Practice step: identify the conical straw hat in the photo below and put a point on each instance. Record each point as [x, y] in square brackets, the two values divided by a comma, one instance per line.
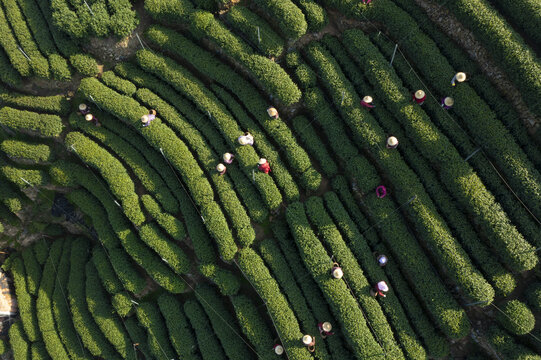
[460, 76]
[144, 119]
[392, 141]
[448, 101]
[337, 273]
[306, 339]
[367, 99]
[382, 285]
[326, 326]
[243, 140]
[262, 161]
[88, 117]
[82, 106]
[220, 167]
[272, 111]
[278, 349]
[227, 156]
[419, 94]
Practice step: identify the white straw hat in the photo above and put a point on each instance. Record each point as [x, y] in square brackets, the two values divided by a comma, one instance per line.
[243, 140]
[227, 156]
[220, 167]
[392, 141]
[262, 161]
[306, 339]
[88, 117]
[337, 273]
[460, 76]
[382, 285]
[272, 111]
[326, 326]
[419, 94]
[448, 101]
[278, 350]
[144, 119]
[367, 99]
[82, 106]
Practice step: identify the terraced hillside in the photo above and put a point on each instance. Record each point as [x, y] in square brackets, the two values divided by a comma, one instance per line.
[214, 179]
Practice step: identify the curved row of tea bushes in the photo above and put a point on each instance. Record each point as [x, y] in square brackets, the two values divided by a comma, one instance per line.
[37, 24]
[276, 303]
[256, 105]
[507, 347]
[458, 222]
[42, 125]
[187, 84]
[51, 337]
[273, 257]
[56, 104]
[163, 138]
[83, 63]
[310, 290]
[22, 151]
[138, 336]
[396, 304]
[382, 317]
[223, 323]
[342, 303]
[257, 30]
[90, 333]
[506, 46]
[61, 310]
[24, 178]
[244, 188]
[227, 282]
[25, 302]
[240, 221]
[118, 84]
[112, 171]
[446, 311]
[150, 318]
[486, 130]
[103, 313]
[8, 195]
[315, 14]
[466, 187]
[172, 226]
[516, 317]
[288, 16]
[32, 269]
[11, 48]
[199, 238]
[517, 213]
[253, 326]
[428, 223]
[525, 14]
[69, 174]
[18, 342]
[38, 62]
[180, 333]
[208, 343]
[149, 177]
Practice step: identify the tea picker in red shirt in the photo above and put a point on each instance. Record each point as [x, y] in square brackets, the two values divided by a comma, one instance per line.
[419, 97]
[264, 166]
[379, 289]
[367, 102]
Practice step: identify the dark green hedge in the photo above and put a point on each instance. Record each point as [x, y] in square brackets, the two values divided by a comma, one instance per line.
[209, 346]
[180, 333]
[18, 342]
[11, 47]
[533, 295]
[227, 282]
[25, 302]
[172, 225]
[32, 270]
[286, 14]
[36, 124]
[150, 318]
[506, 346]
[248, 22]
[112, 171]
[56, 104]
[118, 84]
[516, 317]
[315, 14]
[27, 152]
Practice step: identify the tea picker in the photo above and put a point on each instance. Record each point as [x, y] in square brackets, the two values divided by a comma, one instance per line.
[392, 142]
[459, 77]
[90, 117]
[379, 289]
[325, 329]
[367, 102]
[419, 97]
[246, 139]
[264, 166]
[221, 169]
[84, 109]
[447, 102]
[310, 342]
[273, 113]
[228, 158]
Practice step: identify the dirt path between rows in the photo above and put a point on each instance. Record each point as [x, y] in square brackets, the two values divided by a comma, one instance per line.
[449, 25]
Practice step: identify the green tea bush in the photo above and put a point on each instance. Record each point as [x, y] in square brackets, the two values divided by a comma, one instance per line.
[112, 171]
[533, 295]
[172, 226]
[278, 308]
[25, 302]
[18, 342]
[288, 16]
[227, 282]
[124, 87]
[38, 351]
[42, 125]
[315, 14]
[102, 312]
[507, 347]
[247, 22]
[150, 318]
[11, 47]
[517, 318]
[32, 270]
[180, 333]
[22, 150]
[208, 343]
[44, 303]
[55, 104]
[137, 334]
[8, 74]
